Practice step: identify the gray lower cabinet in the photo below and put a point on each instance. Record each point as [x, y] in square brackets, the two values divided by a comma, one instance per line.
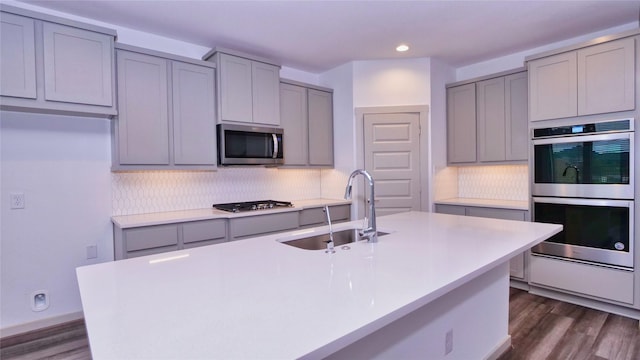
[64, 67]
[317, 217]
[248, 89]
[307, 119]
[155, 239]
[251, 226]
[487, 120]
[592, 80]
[166, 114]
[517, 264]
[148, 240]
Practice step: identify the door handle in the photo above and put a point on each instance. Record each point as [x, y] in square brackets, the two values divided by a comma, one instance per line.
[275, 145]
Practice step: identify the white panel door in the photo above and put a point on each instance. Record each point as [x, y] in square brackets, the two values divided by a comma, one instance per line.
[392, 157]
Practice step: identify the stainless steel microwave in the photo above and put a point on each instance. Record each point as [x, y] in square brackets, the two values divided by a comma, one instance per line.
[249, 145]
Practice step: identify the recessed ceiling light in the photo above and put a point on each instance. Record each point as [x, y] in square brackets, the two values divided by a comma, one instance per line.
[402, 48]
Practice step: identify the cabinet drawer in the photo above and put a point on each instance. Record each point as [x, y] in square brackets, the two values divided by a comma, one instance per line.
[496, 213]
[151, 237]
[316, 216]
[450, 209]
[263, 224]
[204, 230]
[580, 278]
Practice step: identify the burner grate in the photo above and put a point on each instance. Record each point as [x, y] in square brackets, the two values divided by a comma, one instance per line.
[252, 205]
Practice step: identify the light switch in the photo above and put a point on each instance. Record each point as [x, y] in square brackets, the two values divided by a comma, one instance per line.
[92, 252]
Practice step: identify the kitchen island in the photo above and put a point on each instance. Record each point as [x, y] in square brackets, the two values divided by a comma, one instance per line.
[436, 284]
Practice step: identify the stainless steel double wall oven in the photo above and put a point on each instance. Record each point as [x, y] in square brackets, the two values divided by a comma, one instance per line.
[583, 178]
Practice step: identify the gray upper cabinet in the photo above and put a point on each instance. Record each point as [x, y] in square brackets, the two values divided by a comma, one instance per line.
[553, 91]
[77, 65]
[487, 120]
[517, 116]
[56, 65]
[194, 125]
[235, 89]
[166, 114]
[592, 80]
[266, 93]
[606, 77]
[461, 124]
[491, 119]
[502, 118]
[307, 119]
[320, 127]
[18, 61]
[143, 119]
[248, 88]
[295, 122]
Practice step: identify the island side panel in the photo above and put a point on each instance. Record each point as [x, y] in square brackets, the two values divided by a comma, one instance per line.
[476, 314]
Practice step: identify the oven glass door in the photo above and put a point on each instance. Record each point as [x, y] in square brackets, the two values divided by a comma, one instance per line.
[585, 166]
[594, 230]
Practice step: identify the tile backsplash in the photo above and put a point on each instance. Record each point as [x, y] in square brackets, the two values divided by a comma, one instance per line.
[156, 191]
[501, 182]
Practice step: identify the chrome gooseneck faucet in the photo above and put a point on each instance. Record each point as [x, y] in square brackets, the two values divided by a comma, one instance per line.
[370, 232]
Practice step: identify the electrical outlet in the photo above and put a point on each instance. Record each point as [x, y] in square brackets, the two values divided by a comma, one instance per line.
[17, 200]
[448, 342]
[39, 300]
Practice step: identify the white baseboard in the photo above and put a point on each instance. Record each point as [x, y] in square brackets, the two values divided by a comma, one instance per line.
[40, 324]
[500, 349]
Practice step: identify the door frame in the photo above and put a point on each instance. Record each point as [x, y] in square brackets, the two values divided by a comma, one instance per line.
[425, 157]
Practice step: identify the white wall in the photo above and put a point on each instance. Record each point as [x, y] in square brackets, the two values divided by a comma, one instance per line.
[368, 84]
[391, 82]
[62, 165]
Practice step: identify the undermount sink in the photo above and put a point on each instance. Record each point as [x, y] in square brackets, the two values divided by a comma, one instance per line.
[319, 242]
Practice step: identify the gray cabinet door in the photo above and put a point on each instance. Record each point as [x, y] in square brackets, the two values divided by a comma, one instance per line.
[243, 227]
[77, 65]
[553, 89]
[143, 119]
[491, 119]
[320, 127]
[294, 121]
[18, 60]
[236, 94]
[194, 122]
[606, 77]
[461, 123]
[148, 240]
[265, 93]
[517, 116]
[450, 209]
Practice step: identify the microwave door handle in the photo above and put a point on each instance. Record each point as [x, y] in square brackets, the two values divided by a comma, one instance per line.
[275, 146]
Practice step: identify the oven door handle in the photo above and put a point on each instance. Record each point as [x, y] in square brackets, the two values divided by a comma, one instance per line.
[584, 138]
[583, 201]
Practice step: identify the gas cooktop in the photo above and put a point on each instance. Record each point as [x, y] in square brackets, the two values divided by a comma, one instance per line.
[252, 205]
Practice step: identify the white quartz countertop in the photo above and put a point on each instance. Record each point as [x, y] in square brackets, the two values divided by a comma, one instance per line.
[257, 298]
[491, 203]
[159, 218]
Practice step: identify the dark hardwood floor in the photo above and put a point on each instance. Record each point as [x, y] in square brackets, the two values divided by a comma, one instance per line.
[543, 328]
[540, 328]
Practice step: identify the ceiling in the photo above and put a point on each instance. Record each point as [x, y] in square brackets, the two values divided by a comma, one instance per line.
[315, 36]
